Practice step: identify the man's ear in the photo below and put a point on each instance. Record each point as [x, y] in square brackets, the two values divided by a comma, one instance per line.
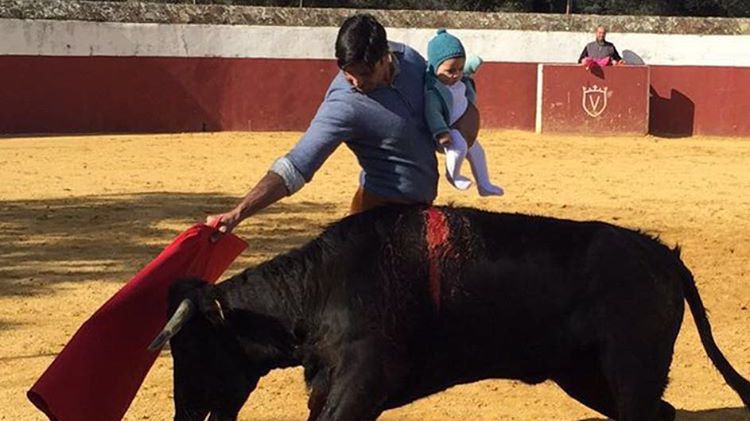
[387, 58]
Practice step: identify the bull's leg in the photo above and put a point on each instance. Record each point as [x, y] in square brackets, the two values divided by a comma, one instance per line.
[667, 411]
[318, 396]
[185, 413]
[638, 375]
[227, 412]
[189, 395]
[359, 383]
[215, 416]
[230, 395]
[585, 382]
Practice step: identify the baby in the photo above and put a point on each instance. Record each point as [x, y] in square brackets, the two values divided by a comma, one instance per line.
[449, 90]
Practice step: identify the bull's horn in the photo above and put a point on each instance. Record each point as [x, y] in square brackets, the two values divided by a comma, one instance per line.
[182, 315]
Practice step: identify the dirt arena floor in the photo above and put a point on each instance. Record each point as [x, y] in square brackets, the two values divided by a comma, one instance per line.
[80, 215]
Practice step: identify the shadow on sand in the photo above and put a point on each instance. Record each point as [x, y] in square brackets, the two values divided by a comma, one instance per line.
[719, 414]
[78, 239]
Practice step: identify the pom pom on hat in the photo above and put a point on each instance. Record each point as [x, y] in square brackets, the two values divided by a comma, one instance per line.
[443, 46]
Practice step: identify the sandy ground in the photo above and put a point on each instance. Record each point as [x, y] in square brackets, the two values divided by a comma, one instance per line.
[80, 215]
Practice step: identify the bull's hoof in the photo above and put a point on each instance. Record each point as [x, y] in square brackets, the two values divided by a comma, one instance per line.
[667, 411]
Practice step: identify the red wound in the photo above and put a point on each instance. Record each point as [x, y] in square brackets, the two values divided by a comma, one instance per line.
[437, 236]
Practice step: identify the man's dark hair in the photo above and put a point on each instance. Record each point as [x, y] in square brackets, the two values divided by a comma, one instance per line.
[361, 39]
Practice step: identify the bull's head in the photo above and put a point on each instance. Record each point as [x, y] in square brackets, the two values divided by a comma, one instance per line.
[212, 371]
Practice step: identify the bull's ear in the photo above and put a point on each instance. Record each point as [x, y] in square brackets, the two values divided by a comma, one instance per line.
[184, 288]
[210, 306]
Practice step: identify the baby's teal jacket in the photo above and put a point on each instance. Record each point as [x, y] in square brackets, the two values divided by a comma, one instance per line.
[437, 96]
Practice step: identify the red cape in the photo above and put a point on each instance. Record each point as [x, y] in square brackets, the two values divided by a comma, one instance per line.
[97, 374]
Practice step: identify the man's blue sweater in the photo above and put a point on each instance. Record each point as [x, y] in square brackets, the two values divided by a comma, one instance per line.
[384, 128]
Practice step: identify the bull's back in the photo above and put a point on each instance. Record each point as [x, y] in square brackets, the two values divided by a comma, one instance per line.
[518, 295]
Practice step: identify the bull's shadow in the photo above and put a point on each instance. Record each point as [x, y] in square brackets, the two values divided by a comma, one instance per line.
[110, 237]
[719, 414]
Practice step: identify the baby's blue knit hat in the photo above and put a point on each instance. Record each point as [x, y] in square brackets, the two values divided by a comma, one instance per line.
[442, 47]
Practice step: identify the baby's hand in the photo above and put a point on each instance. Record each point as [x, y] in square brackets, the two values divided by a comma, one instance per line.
[444, 139]
[472, 65]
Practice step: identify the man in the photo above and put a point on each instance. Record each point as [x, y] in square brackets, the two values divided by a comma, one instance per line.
[600, 52]
[376, 106]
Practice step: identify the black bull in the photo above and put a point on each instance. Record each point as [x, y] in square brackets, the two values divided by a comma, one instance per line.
[395, 304]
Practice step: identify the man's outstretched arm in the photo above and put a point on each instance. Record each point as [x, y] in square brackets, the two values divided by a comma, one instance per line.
[288, 174]
[269, 190]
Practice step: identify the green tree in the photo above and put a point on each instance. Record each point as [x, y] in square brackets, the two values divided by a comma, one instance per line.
[727, 8]
[724, 8]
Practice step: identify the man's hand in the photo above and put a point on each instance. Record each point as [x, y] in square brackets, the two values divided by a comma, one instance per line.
[269, 189]
[224, 222]
[444, 139]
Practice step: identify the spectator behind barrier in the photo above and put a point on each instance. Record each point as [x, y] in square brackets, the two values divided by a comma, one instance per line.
[600, 52]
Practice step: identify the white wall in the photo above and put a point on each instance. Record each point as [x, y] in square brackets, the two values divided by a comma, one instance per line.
[76, 38]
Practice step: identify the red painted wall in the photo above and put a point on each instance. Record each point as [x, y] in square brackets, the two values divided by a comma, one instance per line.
[610, 100]
[506, 95]
[700, 100]
[140, 94]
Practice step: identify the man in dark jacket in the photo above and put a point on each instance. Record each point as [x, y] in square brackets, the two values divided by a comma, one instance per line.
[600, 52]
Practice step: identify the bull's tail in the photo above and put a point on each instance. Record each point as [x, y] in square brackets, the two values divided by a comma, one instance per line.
[693, 298]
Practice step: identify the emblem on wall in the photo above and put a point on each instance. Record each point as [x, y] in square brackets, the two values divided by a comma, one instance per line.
[594, 100]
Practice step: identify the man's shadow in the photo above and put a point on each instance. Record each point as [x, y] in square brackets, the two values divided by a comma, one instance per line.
[630, 57]
[671, 116]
